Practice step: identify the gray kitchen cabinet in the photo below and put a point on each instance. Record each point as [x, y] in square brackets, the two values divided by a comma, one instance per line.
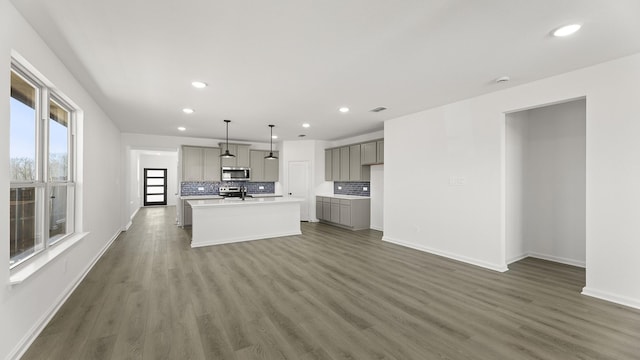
[380, 152]
[200, 163]
[344, 163]
[263, 169]
[352, 213]
[335, 210]
[192, 163]
[368, 155]
[335, 159]
[357, 172]
[319, 207]
[241, 152]
[326, 209]
[211, 164]
[328, 165]
[345, 212]
[271, 168]
[256, 161]
[228, 162]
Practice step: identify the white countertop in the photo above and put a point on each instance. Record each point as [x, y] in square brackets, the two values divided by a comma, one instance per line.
[349, 197]
[205, 197]
[239, 202]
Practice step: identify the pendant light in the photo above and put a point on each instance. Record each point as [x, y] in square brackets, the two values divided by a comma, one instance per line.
[270, 156]
[227, 154]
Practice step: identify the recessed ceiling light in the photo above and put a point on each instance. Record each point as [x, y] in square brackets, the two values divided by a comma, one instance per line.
[274, 136]
[305, 125]
[566, 30]
[344, 109]
[188, 111]
[199, 84]
[182, 128]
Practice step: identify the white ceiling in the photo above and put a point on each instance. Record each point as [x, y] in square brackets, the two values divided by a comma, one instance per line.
[286, 62]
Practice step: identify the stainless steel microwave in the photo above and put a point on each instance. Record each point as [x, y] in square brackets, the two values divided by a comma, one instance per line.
[236, 173]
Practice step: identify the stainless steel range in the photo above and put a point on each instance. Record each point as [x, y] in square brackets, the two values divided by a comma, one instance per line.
[233, 191]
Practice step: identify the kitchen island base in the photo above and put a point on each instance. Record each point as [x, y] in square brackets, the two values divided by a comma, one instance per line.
[222, 221]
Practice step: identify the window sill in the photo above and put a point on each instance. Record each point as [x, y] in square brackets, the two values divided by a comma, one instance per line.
[17, 276]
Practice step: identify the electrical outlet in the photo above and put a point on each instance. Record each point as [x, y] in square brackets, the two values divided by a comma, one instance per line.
[201, 189]
[261, 187]
[364, 188]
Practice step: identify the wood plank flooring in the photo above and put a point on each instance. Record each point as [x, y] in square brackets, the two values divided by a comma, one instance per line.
[327, 294]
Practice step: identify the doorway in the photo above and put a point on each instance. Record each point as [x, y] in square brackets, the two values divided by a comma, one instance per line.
[155, 187]
[545, 183]
[298, 185]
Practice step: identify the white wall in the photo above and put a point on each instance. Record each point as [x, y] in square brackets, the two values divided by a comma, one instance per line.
[457, 157]
[164, 160]
[377, 197]
[25, 308]
[546, 183]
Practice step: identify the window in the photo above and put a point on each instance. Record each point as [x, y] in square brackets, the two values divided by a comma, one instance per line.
[42, 191]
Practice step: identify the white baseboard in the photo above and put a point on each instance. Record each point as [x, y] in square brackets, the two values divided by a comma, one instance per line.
[126, 227]
[24, 344]
[603, 295]
[517, 258]
[379, 228]
[468, 260]
[557, 259]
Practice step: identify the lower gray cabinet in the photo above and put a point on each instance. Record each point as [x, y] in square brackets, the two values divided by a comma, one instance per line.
[345, 212]
[349, 213]
[335, 210]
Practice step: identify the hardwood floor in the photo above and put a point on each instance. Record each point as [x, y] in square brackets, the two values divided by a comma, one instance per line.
[327, 294]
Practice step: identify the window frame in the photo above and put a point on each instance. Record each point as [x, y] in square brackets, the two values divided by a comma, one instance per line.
[45, 94]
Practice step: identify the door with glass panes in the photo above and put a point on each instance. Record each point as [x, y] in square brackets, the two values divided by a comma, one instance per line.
[155, 187]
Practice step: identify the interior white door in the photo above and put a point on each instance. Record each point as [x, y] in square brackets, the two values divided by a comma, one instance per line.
[298, 185]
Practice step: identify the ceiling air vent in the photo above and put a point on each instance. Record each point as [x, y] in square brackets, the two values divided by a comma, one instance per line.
[378, 109]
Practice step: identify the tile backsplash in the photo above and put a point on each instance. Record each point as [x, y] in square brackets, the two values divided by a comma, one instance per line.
[190, 188]
[352, 188]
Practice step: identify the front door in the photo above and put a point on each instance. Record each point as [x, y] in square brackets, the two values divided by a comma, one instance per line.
[155, 187]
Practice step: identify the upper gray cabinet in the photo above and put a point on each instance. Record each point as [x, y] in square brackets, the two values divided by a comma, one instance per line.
[368, 155]
[263, 169]
[241, 152]
[271, 168]
[335, 165]
[344, 164]
[372, 152]
[357, 172]
[380, 152]
[351, 162]
[328, 166]
[200, 163]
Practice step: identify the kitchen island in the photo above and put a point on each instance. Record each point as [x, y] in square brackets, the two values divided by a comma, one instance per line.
[223, 221]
